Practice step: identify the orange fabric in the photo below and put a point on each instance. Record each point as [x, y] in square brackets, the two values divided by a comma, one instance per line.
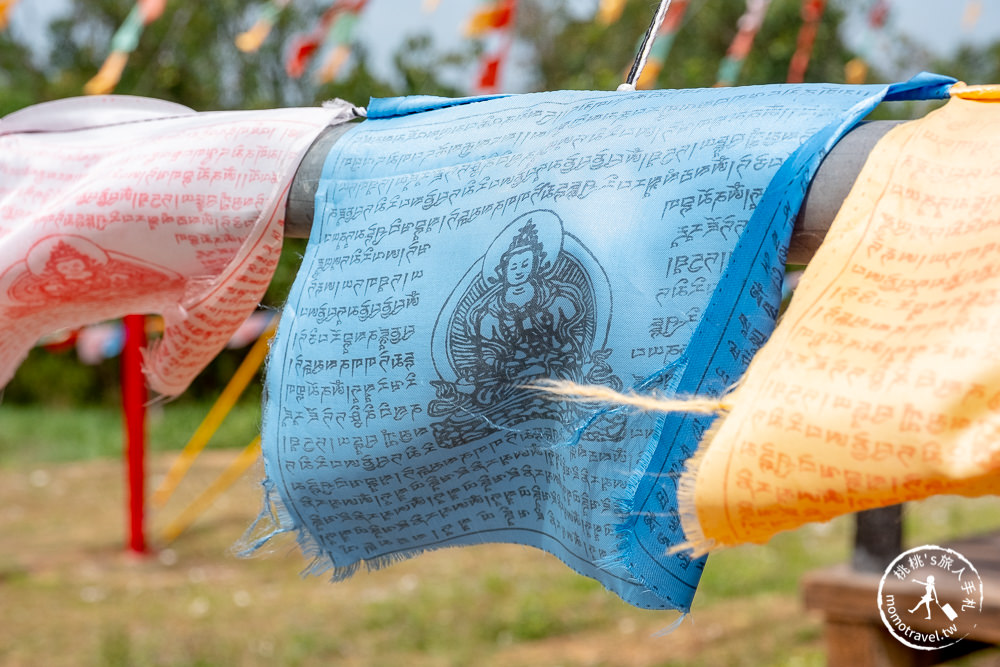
[882, 382]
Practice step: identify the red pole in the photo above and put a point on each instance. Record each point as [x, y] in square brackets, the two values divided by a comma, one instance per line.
[134, 409]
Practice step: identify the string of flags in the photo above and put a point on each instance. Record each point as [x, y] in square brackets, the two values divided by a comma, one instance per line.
[664, 42]
[495, 18]
[331, 38]
[748, 26]
[812, 13]
[123, 43]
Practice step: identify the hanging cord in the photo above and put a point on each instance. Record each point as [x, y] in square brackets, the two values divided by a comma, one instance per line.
[645, 47]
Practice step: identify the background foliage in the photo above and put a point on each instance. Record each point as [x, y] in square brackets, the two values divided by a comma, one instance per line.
[188, 56]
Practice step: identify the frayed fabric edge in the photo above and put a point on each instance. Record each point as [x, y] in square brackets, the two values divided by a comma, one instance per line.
[275, 520]
[696, 543]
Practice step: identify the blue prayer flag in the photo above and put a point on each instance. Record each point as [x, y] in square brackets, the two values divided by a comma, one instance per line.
[463, 249]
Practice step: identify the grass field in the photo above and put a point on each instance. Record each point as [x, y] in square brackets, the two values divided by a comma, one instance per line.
[69, 595]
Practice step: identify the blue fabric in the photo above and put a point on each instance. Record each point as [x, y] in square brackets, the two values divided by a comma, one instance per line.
[465, 249]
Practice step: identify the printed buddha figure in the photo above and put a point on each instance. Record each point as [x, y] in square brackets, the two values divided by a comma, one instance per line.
[529, 323]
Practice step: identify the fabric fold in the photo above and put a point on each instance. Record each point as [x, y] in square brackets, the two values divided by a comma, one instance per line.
[117, 205]
[879, 386]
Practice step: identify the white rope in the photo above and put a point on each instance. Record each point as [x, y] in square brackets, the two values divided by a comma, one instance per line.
[645, 47]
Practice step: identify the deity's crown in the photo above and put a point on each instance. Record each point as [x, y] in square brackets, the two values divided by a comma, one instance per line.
[63, 251]
[526, 239]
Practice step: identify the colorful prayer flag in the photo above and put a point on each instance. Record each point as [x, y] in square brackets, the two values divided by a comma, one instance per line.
[748, 25]
[495, 16]
[333, 62]
[152, 9]
[661, 46]
[970, 16]
[463, 249]
[252, 39]
[498, 17]
[334, 30]
[124, 42]
[181, 214]
[609, 11]
[812, 13]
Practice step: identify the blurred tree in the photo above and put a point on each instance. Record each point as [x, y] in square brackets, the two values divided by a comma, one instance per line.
[972, 64]
[21, 79]
[188, 56]
[579, 53]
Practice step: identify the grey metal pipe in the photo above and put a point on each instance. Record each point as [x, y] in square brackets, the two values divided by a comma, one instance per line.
[827, 191]
[302, 197]
[834, 179]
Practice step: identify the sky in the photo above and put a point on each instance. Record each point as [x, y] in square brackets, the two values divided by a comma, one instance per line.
[935, 24]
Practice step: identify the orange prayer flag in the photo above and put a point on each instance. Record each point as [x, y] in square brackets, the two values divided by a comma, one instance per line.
[494, 17]
[5, 8]
[333, 63]
[855, 71]
[252, 39]
[973, 10]
[108, 76]
[609, 11]
[649, 75]
[882, 382]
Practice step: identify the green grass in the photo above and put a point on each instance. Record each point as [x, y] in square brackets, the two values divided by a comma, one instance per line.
[489, 605]
[32, 433]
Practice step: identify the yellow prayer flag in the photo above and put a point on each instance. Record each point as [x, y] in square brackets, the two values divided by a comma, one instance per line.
[855, 71]
[251, 40]
[108, 76]
[882, 382]
[609, 11]
[330, 68]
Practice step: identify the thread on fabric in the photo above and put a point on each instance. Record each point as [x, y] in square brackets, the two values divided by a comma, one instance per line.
[645, 47]
[697, 544]
[651, 402]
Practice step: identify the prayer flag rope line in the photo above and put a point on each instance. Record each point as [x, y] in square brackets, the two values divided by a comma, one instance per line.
[635, 74]
[651, 402]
